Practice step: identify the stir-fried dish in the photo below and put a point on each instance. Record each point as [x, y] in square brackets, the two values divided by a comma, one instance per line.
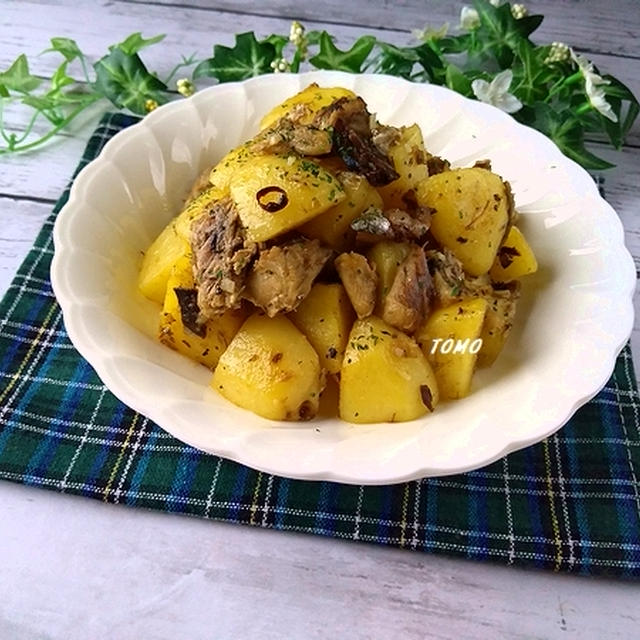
[333, 249]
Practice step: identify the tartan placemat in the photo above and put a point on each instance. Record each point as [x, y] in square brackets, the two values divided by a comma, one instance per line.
[570, 503]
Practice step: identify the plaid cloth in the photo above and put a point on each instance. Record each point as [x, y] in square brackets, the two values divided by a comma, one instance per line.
[570, 503]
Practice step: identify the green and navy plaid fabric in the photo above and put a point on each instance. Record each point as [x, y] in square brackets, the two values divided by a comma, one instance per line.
[570, 503]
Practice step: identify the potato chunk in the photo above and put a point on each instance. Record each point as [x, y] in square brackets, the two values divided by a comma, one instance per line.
[385, 376]
[172, 244]
[271, 369]
[234, 160]
[387, 257]
[515, 258]
[450, 341]
[158, 261]
[410, 161]
[498, 323]
[274, 194]
[312, 99]
[325, 317]
[195, 209]
[470, 214]
[179, 329]
[333, 226]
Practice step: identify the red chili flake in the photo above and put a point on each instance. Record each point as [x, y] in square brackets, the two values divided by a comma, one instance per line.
[270, 202]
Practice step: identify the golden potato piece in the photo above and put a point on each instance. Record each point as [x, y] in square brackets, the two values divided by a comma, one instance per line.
[387, 256]
[333, 226]
[158, 261]
[313, 98]
[450, 339]
[325, 317]
[179, 329]
[498, 323]
[274, 194]
[271, 369]
[515, 258]
[385, 376]
[470, 214]
[409, 160]
[235, 159]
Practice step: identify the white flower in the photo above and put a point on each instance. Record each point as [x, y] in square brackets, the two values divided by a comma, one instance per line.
[429, 33]
[497, 92]
[469, 19]
[495, 3]
[592, 86]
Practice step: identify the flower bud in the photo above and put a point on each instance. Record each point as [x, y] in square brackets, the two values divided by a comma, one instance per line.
[519, 11]
[558, 52]
[279, 65]
[469, 19]
[296, 34]
[185, 87]
[150, 104]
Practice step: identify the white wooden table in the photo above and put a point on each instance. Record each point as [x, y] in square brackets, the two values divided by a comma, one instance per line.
[138, 574]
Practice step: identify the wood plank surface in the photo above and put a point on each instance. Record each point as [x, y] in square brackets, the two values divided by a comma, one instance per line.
[198, 580]
[594, 26]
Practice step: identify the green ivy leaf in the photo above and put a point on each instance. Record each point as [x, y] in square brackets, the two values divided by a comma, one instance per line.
[351, 60]
[624, 105]
[531, 74]
[65, 46]
[613, 129]
[60, 79]
[133, 43]
[432, 62]
[295, 61]
[401, 61]
[500, 33]
[617, 89]
[493, 31]
[41, 103]
[18, 78]
[632, 113]
[396, 61]
[313, 37]
[454, 44]
[525, 26]
[566, 131]
[279, 42]
[580, 154]
[546, 119]
[248, 58]
[455, 79]
[125, 81]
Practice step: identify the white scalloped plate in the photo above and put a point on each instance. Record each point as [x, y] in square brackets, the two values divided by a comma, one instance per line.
[574, 317]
